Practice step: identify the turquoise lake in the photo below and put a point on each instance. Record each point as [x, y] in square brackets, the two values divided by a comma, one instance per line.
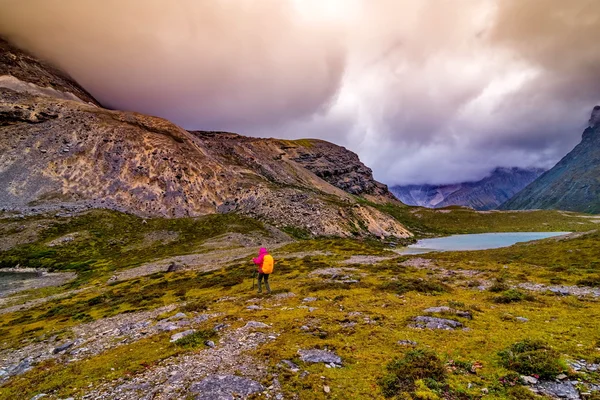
[481, 241]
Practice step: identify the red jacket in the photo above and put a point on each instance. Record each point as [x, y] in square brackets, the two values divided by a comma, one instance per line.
[259, 260]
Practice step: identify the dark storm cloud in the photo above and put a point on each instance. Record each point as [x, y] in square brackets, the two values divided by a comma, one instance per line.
[204, 64]
[425, 91]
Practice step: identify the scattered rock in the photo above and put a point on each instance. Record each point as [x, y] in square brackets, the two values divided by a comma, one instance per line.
[255, 324]
[309, 299]
[320, 356]
[522, 319]
[435, 323]
[529, 380]
[166, 327]
[39, 396]
[291, 365]
[254, 307]
[210, 343]
[561, 377]
[175, 266]
[219, 327]
[448, 310]
[410, 343]
[326, 389]
[560, 291]
[285, 295]
[224, 387]
[181, 335]
[62, 347]
[177, 316]
[560, 390]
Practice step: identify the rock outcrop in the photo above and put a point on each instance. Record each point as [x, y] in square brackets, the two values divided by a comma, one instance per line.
[60, 149]
[572, 184]
[485, 194]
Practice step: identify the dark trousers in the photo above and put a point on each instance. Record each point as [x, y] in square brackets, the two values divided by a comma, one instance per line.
[264, 277]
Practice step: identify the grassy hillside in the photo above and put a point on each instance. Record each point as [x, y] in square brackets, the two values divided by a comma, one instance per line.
[457, 220]
[361, 321]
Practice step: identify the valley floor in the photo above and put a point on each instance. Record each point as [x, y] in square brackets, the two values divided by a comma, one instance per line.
[347, 319]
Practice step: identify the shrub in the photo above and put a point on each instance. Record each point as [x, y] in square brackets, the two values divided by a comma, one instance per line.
[197, 305]
[512, 296]
[498, 287]
[593, 281]
[196, 339]
[532, 357]
[404, 373]
[417, 285]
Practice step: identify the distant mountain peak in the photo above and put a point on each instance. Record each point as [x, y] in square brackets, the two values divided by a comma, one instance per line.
[485, 194]
[572, 184]
[595, 118]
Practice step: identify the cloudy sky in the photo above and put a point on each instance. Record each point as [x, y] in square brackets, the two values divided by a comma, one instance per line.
[425, 91]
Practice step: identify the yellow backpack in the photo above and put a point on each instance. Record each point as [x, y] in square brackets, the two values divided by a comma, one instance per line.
[267, 266]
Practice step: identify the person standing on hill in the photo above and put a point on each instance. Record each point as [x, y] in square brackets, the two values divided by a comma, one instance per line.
[265, 268]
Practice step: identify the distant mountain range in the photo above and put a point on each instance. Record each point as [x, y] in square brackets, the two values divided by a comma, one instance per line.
[573, 184]
[485, 194]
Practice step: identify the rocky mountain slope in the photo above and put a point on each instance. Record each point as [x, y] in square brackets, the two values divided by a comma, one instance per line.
[573, 184]
[485, 194]
[60, 149]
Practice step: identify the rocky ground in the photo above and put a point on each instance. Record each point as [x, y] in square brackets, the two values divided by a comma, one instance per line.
[341, 312]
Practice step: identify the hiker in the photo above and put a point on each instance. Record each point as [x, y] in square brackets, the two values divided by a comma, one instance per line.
[265, 267]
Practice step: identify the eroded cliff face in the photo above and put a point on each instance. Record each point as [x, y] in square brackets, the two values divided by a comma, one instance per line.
[59, 148]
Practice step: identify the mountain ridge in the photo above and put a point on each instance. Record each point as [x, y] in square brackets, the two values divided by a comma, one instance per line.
[573, 183]
[61, 150]
[485, 194]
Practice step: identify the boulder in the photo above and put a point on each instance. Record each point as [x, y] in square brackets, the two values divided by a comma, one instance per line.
[561, 390]
[256, 325]
[291, 365]
[320, 356]
[62, 347]
[410, 343]
[225, 387]
[448, 310]
[174, 267]
[435, 323]
[181, 335]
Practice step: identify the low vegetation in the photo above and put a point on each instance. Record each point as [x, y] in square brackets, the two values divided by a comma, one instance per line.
[514, 330]
[533, 357]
